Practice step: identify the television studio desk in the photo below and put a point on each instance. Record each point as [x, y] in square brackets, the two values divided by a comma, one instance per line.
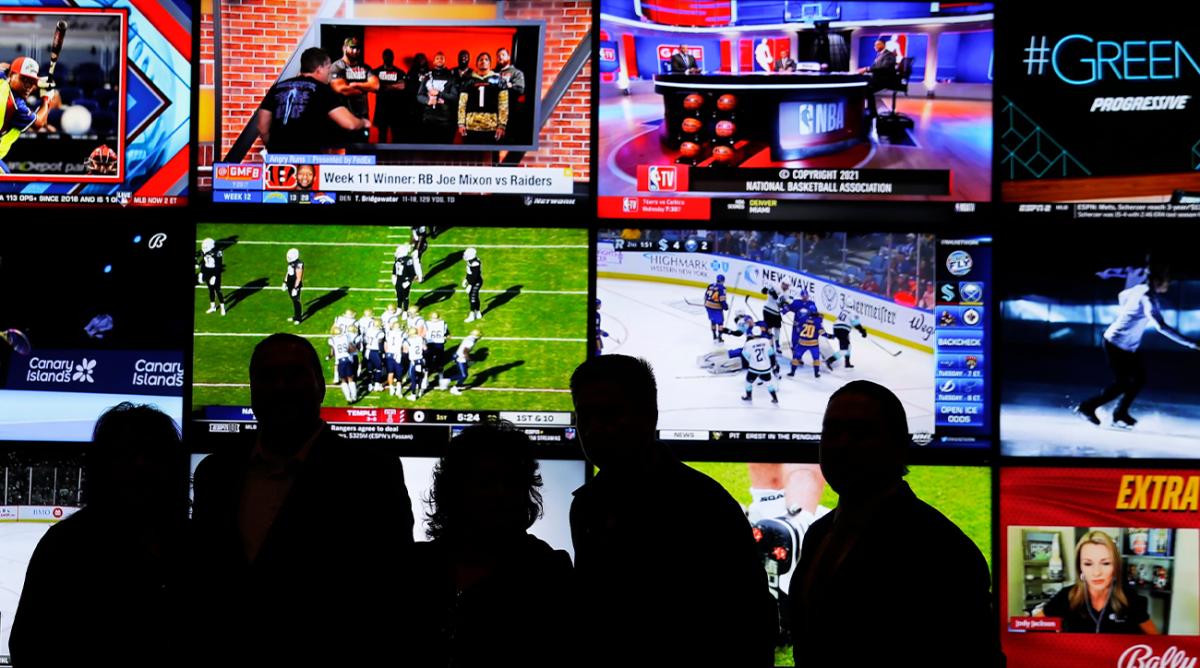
[800, 115]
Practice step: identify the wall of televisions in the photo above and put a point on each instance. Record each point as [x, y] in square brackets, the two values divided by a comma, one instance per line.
[989, 207]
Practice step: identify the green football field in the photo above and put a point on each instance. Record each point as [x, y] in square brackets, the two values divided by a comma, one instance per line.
[534, 303]
[962, 493]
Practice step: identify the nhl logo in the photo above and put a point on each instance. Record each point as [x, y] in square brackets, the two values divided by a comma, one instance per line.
[569, 433]
[829, 297]
[971, 292]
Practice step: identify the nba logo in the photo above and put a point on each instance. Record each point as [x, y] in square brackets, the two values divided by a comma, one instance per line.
[629, 205]
[660, 178]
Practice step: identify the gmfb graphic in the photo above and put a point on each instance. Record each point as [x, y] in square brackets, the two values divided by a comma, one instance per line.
[1097, 110]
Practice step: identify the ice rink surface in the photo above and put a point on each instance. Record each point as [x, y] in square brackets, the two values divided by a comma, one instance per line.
[654, 321]
[17, 540]
[1037, 420]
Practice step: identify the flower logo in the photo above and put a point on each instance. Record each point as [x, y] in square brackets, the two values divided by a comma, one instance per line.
[83, 371]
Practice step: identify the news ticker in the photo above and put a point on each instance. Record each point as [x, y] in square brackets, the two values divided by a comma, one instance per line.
[402, 424]
[364, 177]
[922, 439]
[1114, 211]
[118, 199]
[792, 181]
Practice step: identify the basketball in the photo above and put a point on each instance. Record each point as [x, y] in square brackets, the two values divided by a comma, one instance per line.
[726, 102]
[689, 149]
[693, 102]
[692, 125]
[723, 154]
[725, 128]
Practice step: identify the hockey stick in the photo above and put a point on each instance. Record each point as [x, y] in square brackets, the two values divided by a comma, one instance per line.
[692, 303]
[893, 353]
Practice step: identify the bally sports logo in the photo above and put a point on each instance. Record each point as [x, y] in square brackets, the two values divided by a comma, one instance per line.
[42, 370]
[1142, 656]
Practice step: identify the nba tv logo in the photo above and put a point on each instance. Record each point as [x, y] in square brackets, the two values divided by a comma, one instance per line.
[661, 178]
[817, 118]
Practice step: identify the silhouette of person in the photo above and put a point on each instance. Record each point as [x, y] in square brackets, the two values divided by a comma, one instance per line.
[110, 579]
[484, 591]
[304, 531]
[883, 549]
[688, 591]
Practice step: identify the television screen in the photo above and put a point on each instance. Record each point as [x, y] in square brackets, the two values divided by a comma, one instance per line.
[1119, 541]
[737, 110]
[90, 316]
[768, 490]
[422, 105]
[1100, 357]
[1097, 108]
[97, 100]
[750, 331]
[36, 490]
[495, 319]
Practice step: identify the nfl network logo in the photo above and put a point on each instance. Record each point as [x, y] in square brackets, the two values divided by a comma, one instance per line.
[661, 178]
[629, 205]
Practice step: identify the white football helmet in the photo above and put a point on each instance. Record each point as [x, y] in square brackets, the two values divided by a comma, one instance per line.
[293, 254]
[469, 254]
[208, 245]
[402, 250]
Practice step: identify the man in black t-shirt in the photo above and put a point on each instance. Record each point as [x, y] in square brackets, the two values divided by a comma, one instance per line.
[438, 100]
[354, 80]
[391, 99]
[301, 114]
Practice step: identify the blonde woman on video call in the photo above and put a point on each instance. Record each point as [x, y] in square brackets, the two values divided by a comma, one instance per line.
[1097, 602]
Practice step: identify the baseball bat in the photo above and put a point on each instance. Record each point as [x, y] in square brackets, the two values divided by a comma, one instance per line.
[56, 44]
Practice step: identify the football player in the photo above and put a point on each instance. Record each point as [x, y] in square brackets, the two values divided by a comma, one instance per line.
[403, 274]
[293, 282]
[473, 282]
[212, 263]
[462, 359]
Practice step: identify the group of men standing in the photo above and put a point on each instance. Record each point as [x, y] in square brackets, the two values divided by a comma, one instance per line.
[328, 104]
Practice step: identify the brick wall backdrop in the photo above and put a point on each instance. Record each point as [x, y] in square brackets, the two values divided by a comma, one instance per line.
[260, 35]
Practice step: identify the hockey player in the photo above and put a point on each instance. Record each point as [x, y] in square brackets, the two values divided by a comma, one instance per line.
[436, 333]
[393, 348]
[373, 339]
[462, 359]
[1137, 308]
[293, 282]
[212, 262]
[473, 283]
[600, 333]
[414, 349]
[341, 350]
[841, 331]
[759, 353]
[777, 303]
[715, 304]
[403, 274]
[806, 340]
[420, 243]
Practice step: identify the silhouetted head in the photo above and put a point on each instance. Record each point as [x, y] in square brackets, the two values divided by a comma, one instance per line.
[287, 386]
[464, 58]
[616, 402]
[1159, 278]
[864, 439]
[389, 57]
[486, 489]
[136, 461]
[420, 61]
